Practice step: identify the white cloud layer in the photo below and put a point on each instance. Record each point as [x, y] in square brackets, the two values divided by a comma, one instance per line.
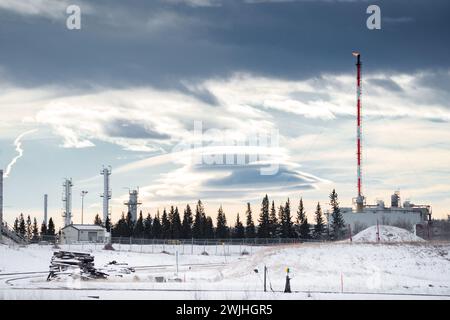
[315, 118]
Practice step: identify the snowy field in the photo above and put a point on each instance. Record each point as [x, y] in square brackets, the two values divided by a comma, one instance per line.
[318, 270]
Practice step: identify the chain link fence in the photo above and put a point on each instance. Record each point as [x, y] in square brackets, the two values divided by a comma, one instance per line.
[221, 247]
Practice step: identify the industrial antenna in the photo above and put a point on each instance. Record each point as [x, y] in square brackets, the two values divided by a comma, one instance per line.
[106, 172]
[67, 201]
[360, 197]
[133, 203]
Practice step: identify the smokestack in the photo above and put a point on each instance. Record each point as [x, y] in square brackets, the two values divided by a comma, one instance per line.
[45, 208]
[1, 203]
[360, 197]
[106, 172]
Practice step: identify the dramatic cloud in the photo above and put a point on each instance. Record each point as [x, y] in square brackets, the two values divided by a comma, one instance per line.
[54, 9]
[128, 89]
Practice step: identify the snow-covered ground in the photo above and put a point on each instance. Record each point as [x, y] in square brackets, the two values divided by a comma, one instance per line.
[386, 234]
[318, 271]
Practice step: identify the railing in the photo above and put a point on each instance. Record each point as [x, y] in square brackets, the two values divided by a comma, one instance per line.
[11, 234]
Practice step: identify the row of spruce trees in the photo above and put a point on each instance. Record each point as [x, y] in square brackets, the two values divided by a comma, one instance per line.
[28, 228]
[272, 223]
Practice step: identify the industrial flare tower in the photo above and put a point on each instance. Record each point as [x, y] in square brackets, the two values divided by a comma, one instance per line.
[106, 172]
[67, 201]
[360, 197]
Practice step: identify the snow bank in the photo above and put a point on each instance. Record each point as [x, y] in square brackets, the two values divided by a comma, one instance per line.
[387, 234]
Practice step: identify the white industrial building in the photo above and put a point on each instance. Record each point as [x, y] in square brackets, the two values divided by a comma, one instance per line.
[408, 216]
[83, 233]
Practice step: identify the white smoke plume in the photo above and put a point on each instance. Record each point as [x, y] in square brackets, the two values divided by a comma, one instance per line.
[18, 144]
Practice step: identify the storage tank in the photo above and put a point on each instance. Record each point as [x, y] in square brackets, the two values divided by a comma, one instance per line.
[395, 200]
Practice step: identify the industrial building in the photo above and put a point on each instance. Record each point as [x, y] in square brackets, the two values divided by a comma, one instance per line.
[83, 233]
[363, 215]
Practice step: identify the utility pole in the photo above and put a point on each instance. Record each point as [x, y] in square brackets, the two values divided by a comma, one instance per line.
[83, 193]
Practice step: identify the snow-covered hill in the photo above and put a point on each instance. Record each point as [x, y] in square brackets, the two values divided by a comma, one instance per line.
[387, 234]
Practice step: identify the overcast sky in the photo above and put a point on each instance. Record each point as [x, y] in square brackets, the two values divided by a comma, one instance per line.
[127, 89]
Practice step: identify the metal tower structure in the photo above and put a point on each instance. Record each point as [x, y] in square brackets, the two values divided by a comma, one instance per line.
[360, 197]
[67, 201]
[133, 203]
[45, 208]
[106, 172]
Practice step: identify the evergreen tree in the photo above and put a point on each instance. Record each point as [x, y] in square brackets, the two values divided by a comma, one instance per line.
[198, 227]
[148, 227]
[264, 220]
[120, 229]
[280, 221]
[286, 221]
[16, 225]
[175, 224]
[273, 222]
[170, 218]
[206, 230]
[108, 224]
[302, 221]
[319, 226]
[22, 226]
[35, 230]
[138, 228]
[29, 233]
[97, 220]
[43, 229]
[337, 220]
[209, 228]
[222, 231]
[250, 225]
[51, 228]
[186, 227]
[165, 225]
[157, 227]
[238, 230]
[129, 224]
